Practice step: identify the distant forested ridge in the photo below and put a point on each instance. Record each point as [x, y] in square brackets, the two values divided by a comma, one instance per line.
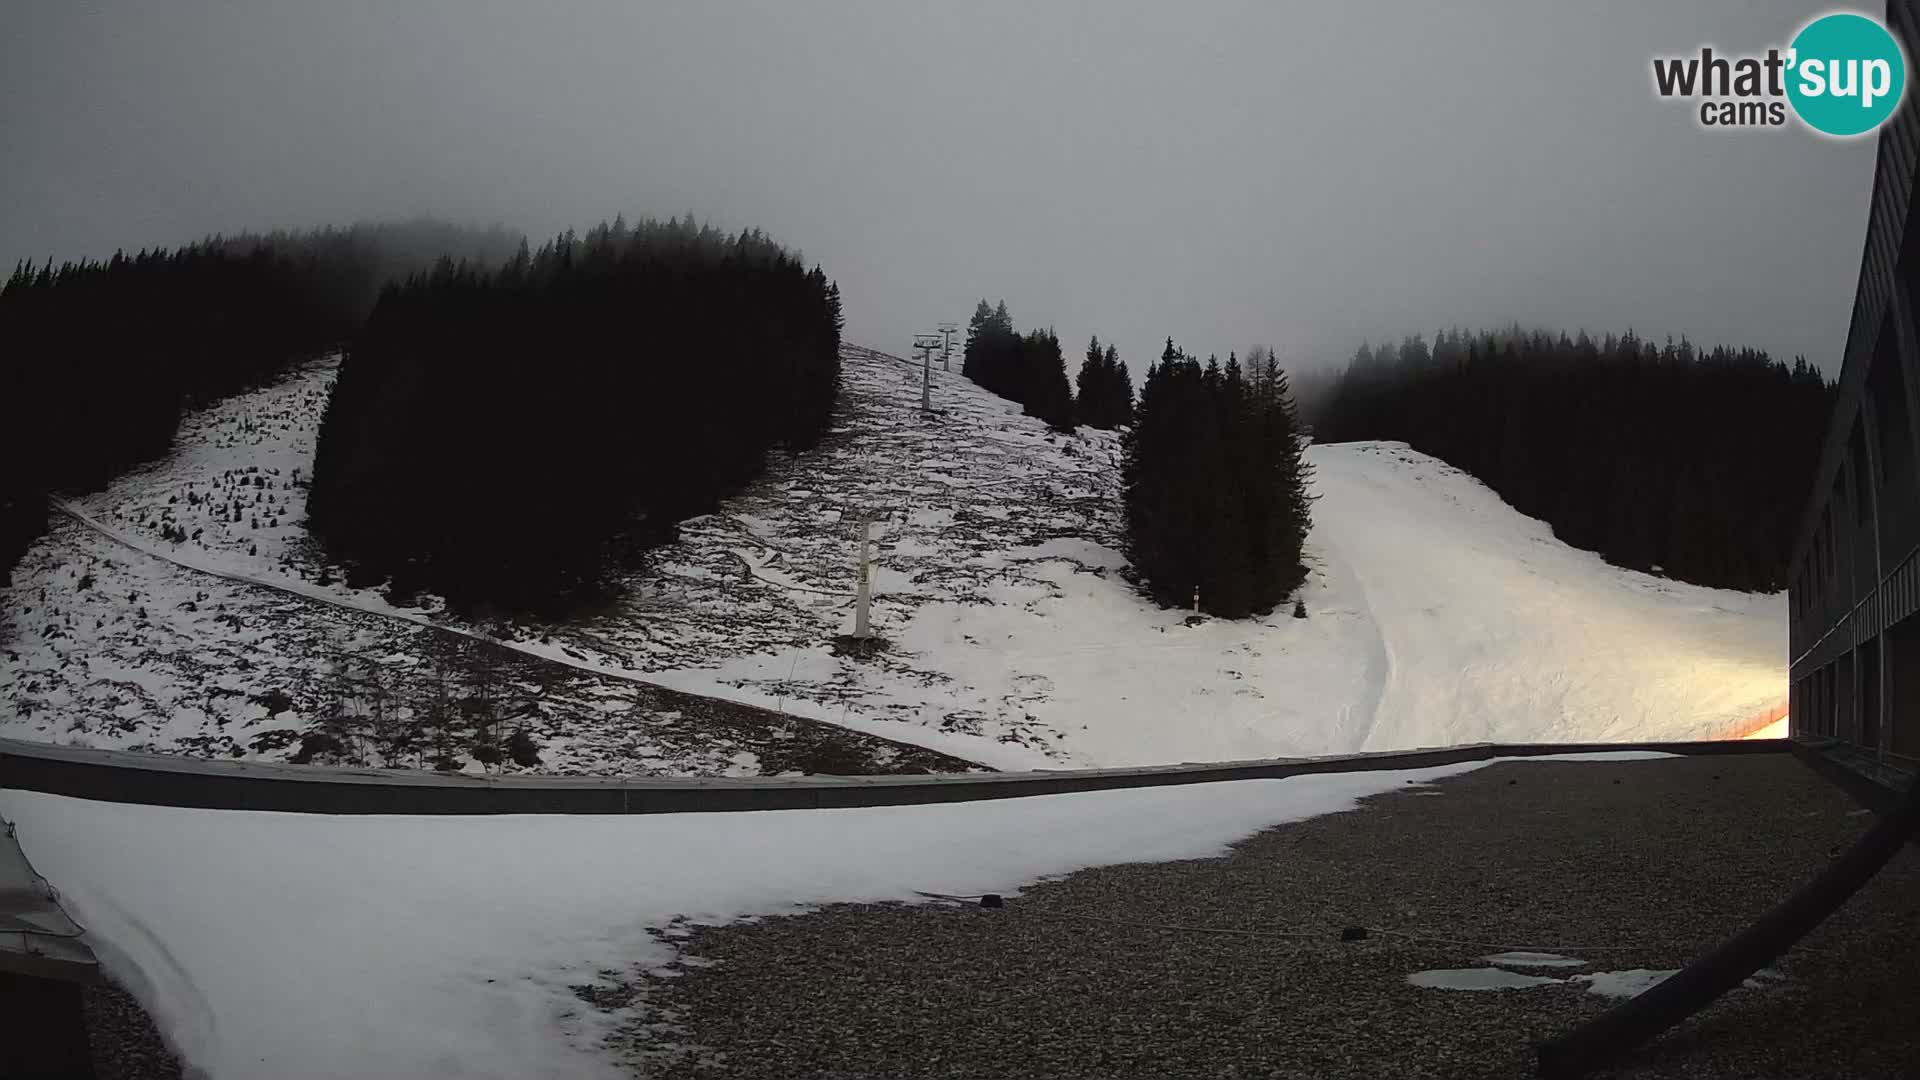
[1216, 485]
[1027, 368]
[350, 265]
[503, 438]
[98, 359]
[1658, 457]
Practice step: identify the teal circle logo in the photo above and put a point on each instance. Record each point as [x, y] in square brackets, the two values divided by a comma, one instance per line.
[1846, 74]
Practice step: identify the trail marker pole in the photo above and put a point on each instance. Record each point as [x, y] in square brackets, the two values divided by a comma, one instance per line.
[863, 592]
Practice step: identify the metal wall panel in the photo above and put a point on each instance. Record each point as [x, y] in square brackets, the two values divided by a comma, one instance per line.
[1855, 567]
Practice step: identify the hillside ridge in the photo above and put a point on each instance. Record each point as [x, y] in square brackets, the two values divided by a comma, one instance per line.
[1015, 634]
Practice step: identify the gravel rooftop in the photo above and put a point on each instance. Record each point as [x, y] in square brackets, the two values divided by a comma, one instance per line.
[125, 1044]
[1624, 865]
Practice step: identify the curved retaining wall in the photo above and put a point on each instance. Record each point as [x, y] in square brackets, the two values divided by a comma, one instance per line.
[163, 780]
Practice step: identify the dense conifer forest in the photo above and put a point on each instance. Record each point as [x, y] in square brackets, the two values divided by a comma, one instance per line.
[1105, 397]
[100, 358]
[505, 438]
[1216, 486]
[1027, 368]
[1660, 458]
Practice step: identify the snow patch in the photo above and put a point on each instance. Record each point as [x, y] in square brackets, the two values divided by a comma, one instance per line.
[1533, 959]
[1624, 984]
[1477, 979]
[1618, 984]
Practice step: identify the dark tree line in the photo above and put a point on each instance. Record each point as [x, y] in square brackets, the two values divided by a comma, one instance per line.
[1658, 457]
[98, 359]
[1028, 368]
[508, 437]
[1216, 485]
[1105, 398]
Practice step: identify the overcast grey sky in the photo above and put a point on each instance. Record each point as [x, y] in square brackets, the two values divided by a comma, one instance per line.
[1225, 173]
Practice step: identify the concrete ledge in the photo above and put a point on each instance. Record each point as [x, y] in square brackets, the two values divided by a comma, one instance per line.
[166, 780]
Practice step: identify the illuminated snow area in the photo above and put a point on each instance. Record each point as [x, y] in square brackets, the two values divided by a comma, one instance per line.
[1478, 979]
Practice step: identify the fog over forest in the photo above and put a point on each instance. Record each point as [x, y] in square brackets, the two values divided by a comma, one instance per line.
[1226, 174]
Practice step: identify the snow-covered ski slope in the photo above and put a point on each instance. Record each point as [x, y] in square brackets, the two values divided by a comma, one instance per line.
[1437, 614]
[1492, 630]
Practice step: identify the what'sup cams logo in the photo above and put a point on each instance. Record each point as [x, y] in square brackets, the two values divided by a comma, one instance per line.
[1842, 75]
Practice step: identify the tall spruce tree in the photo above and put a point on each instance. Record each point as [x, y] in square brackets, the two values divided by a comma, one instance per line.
[1044, 369]
[1105, 398]
[1215, 486]
[1089, 386]
[1120, 390]
[1026, 368]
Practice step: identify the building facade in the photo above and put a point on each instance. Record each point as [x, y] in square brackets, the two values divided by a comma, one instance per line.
[1854, 593]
